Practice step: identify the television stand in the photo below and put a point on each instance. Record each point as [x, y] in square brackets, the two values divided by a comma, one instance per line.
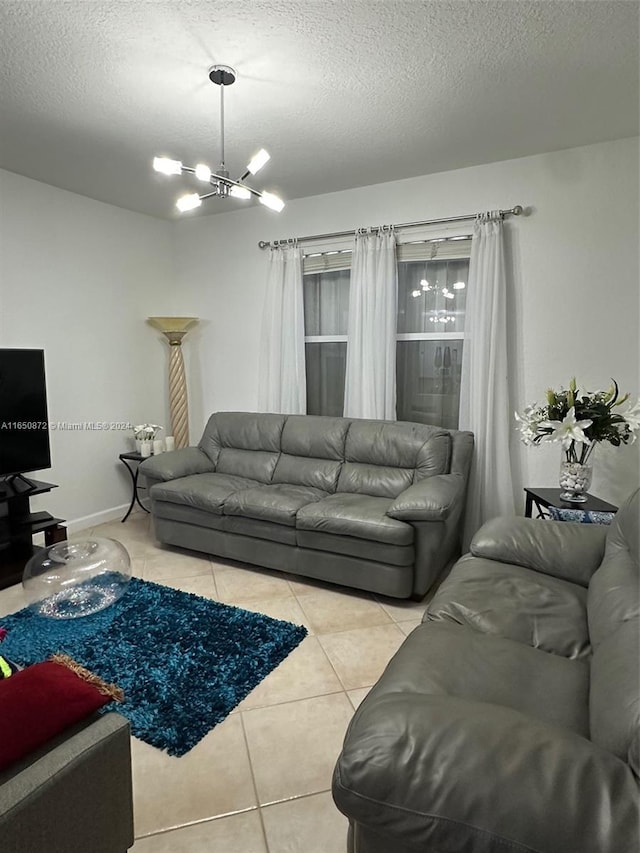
[18, 525]
[29, 485]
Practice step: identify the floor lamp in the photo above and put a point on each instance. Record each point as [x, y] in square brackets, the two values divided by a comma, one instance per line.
[174, 329]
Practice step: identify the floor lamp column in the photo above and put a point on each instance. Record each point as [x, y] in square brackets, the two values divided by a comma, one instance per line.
[174, 329]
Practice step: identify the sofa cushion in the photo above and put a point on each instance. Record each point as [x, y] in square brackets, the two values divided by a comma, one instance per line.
[43, 700]
[257, 465]
[246, 444]
[315, 437]
[307, 471]
[383, 458]
[440, 658]
[202, 491]
[510, 601]
[362, 516]
[278, 503]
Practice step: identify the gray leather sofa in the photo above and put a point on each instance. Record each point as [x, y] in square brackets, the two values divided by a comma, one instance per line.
[508, 721]
[73, 795]
[374, 505]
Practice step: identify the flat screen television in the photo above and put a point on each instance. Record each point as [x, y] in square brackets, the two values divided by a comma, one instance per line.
[24, 419]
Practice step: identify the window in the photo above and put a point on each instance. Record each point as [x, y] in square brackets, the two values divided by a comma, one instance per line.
[432, 280]
[326, 313]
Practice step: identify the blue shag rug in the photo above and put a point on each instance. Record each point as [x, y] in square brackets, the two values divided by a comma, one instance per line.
[184, 662]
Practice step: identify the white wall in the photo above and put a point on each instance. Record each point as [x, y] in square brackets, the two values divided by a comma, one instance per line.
[574, 264]
[78, 278]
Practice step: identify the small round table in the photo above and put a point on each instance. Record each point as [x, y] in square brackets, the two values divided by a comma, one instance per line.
[125, 458]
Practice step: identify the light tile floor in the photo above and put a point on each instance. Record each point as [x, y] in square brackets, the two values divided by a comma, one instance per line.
[260, 781]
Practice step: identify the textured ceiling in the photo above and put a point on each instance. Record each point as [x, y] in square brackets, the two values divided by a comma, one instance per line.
[342, 94]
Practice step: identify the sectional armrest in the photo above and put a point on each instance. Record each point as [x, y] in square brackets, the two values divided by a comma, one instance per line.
[176, 463]
[431, 499]
[445, 773]
[73, 795]
[568, 551]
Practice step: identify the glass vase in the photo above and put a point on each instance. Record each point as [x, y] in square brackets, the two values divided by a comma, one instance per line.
[575, 479]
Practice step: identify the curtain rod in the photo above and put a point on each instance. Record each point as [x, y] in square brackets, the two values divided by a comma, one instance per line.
[517, 210]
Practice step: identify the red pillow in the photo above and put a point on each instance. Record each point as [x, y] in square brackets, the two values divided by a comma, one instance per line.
[41, 701]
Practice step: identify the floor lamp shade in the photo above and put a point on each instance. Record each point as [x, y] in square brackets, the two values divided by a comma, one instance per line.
[174, 329]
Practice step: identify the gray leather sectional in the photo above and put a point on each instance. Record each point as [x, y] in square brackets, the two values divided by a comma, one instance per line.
[508, 722]
[73, 794]
[375, 505]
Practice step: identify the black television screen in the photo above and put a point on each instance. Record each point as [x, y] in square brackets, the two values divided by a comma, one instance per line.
[24, 420]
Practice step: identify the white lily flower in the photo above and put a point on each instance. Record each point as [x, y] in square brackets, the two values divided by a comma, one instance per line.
[568, 429]
[632, 416]
[632, 419]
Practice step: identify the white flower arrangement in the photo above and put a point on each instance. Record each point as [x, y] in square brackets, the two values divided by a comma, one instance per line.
[579, 420]
[146, 432]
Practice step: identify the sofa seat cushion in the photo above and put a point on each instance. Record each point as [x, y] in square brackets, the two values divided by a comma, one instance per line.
[440, 658]
[361, 516]
[278, 503]
[202, 491]
[511, 601]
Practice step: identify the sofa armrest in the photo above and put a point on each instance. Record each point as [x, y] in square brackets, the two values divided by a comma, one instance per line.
[445, 773]
[72, 795]
[431, 499]
[570, 552]
[175, 464]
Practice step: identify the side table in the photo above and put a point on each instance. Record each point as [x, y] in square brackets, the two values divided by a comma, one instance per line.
[544, 498]
[125, 458]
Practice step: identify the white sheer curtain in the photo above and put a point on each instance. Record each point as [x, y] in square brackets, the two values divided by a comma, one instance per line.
[283, 385]
[484, 395]
[370, 382]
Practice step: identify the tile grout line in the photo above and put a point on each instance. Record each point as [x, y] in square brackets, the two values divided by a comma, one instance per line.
[197, 822]
[253, 779]
[291, 701]
[294, 798]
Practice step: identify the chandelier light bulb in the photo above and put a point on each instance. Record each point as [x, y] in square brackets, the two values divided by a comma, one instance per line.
[166, 166]
[447, 294]
[459, 285]
[271, 201]
[188, 202]
[240, 192]
[203, 173]
[257, 161]
[424, 284]
[416, 293]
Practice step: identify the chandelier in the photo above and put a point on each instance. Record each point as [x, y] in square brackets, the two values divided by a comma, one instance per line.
[222, 186]
[439, 315]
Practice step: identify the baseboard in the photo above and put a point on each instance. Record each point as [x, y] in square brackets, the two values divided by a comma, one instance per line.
[116, 513]
[86, 522]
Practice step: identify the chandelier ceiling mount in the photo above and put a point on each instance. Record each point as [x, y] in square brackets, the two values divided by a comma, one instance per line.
[222, 186]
